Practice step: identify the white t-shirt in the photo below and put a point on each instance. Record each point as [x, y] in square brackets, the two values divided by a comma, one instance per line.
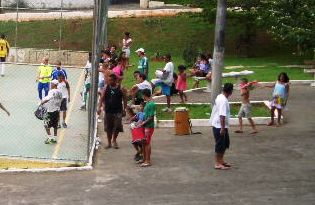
[169, 67]
[63, 88]
[126, 43]
[144, 85]
[221, 108]
[54, 98]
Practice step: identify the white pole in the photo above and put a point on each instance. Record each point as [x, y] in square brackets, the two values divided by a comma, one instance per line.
[16, 31]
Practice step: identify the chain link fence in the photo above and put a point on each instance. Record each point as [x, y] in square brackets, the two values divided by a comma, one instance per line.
[34, 34]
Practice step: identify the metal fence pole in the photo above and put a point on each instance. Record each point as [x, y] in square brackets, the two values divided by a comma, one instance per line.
[99, 40]
[16, 29]
[60, 25]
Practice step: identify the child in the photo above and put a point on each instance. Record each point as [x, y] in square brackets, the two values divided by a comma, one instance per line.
[181, 84]
[279, 97]
[148, 123]
[137, 131]
[245, 110]
[64, 87]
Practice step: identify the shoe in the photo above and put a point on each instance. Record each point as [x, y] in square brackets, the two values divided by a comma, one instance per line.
[167, 109]
[53, 140]
[48, 141]
[83, 107]
[99, 120]
[221, 167]
[59, 126]
[64, 125]
[136, 156]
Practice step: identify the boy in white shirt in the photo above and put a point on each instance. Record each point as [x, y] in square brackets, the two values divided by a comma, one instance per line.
[64, 87]
[53, 102]
[220, 117]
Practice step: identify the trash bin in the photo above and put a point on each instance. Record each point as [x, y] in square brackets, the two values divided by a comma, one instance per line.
[182, 121]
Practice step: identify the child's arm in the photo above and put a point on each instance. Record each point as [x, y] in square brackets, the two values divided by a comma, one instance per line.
[68, 88]
[4, 109]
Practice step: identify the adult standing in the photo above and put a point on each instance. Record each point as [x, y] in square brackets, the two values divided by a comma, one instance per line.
[220, 117]
[53, 100]
[114, 100]
[127, 41]
[166, 80]
[4, 51]
[58, 70]
[143, 66]
[44, 77]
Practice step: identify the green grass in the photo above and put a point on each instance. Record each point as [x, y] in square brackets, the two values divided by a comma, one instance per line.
[203, 111]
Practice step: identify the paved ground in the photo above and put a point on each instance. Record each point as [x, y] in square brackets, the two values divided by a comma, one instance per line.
[274, 167]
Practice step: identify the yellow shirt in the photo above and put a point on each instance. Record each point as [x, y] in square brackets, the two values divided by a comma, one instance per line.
[45, 71]
[4, 47]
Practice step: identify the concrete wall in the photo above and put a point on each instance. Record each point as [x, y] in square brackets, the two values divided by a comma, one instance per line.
[54, 3]
[35, 56]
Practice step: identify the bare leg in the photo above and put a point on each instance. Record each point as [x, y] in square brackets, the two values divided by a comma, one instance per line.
[251, 121]
[115, 140]
[279, 116]
[55, 131]
[48, 131]
[272, 113]
[240, 120]
[219, 158]
[181, 95]
[64, 116]
[168, 100]
[109, 139]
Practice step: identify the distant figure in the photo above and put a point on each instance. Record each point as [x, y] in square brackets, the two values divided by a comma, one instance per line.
[64, 87]
[4, 109]
[87, 82]
[143, 66]
[44, 77]
[280, 97]
[113, 52]
[219, 119]
[53, 101]
[127, 41]
[58, 70]
[245, 110]
[181, 84]
[4, 51]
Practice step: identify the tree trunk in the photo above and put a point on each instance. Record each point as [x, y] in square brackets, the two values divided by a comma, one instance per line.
[1, 10]
[218, 54]
[144, 4]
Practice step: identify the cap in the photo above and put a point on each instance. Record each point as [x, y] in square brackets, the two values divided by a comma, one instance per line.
[140, 50]
[54, 82]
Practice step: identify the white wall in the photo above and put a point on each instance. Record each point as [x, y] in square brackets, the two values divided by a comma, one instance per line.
[54, 3]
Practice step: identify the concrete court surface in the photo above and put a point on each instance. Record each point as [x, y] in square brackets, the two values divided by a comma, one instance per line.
[274, 167]
[22, 134]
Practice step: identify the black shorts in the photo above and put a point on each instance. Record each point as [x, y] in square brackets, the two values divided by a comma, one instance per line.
[221, 142]
[63, 106]
[113, 123]
[51, 120]
[2, 59]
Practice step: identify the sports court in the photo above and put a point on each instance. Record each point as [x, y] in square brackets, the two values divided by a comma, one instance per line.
[23, 135]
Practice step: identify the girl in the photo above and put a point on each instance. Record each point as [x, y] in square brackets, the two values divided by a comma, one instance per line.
[203, 69]
[126, 45]
[279, 97]
[181, 84]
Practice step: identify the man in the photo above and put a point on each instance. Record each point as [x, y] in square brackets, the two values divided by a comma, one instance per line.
[220, 122]
[113, 53]
[4, 51]
[64, 87]
[165, 81]
[53, 100]
[43, 77]
[58, 71]
[114, 100]
[143, 66]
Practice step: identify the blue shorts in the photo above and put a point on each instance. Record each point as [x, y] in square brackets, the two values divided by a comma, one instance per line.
[166, 90]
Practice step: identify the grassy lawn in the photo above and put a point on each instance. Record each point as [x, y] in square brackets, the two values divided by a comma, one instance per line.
[203, 111]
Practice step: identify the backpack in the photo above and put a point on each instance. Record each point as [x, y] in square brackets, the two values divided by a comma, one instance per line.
[40, 112]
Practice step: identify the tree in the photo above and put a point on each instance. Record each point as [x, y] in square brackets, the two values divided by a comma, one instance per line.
[290, 21]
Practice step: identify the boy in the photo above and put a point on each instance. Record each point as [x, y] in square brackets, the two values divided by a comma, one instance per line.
[53, 100]
[245, 110]
[64, 87]
[148, 123]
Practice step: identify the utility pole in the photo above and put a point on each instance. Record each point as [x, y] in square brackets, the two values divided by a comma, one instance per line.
[218, 53]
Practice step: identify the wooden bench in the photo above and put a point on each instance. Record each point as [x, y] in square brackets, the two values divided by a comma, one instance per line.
[236, 75]
[310, 69]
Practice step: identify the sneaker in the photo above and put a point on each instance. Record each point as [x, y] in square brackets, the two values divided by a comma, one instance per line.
[83, 107]
[48, 141]
[167, 109]
[59, 126]
[99, 120]
[137, 156]
[53, 140]
[64, 125]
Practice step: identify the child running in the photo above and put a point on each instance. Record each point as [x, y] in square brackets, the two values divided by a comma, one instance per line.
[181, 84]
[279, 97]
[245, 110]
[148, 123]
[137, 131]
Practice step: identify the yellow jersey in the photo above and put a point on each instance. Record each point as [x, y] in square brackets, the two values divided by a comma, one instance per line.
[4, 48]
[45, 71]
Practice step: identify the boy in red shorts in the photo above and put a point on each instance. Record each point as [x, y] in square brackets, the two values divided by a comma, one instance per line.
[148, 123]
